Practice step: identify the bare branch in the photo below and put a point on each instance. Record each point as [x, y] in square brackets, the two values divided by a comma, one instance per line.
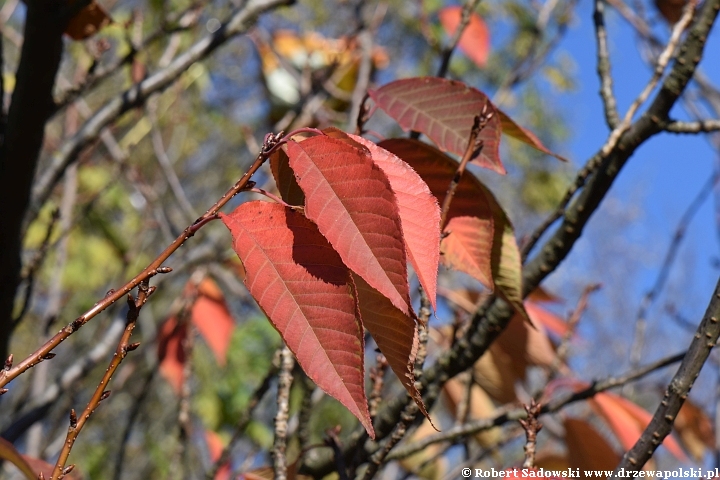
[287, 363]
[603, 66]
[702, 126]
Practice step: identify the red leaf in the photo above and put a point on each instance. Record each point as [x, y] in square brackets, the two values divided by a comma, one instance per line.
[475, 40]
[394, 332]
[444, 111]
[419, 215]
[300, 282]
[512, 129]
[215, 324]
[472, 200]
[352, 203]
[587, 449]
[9, 452]
[628, 420]
[87, 21]
[171, 353]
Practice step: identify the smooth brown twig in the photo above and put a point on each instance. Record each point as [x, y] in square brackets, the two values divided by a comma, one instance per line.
[468, 9]
[100, 394]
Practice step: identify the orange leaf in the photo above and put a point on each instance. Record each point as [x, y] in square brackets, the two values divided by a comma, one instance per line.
[89, 20]
[512, 129]
[587, 449]
[215, 448]
[480, 406]
[213, 320]
[550, 321]
[475, 40]
[171, 353]
[628, 420]
[495, 373]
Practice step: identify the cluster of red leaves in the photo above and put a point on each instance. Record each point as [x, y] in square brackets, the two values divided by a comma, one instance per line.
[333, 260]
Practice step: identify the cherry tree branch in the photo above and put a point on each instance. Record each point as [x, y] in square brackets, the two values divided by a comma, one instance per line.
[603, 67]
[704, 340]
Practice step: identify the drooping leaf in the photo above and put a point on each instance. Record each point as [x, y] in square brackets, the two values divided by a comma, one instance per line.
[587, 449]
[526, 346]
[394, 332]
[285, 180]
[443, 110]
[419, 215]
[471, 199]
[628, 420]
[351, 201]
[541, 295]
[171, 353]
[553, 323]
[9, 452]
[213, 320]
[475, 40]
[301, 284]
[89, 20]
[512, 129]
[695, 430]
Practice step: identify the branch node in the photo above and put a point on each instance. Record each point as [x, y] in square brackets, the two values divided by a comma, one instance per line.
[73, 418]
[105, 395]
[48, 356]
[131, 347]
[8, 362]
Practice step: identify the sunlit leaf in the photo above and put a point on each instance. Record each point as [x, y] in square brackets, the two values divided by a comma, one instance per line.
[301, 284]
[419, 215]
[475, 40]
[512, 129]
[443, 110]
[471, 238]
[351, 201]
[285, 180]
[628, 420]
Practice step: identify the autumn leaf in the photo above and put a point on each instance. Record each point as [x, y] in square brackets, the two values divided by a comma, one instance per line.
[475, 40]
[9, 452]
[512, 129]
[482, 245]
[88, 21]
[540, 316]
[628, 420]
[394, 332]
[301, 284]
[419, 215]
[587, 449]
[351, 201]
[495, 373]
[171, 354]
[444, 110]
[215, 324]
[479, 406]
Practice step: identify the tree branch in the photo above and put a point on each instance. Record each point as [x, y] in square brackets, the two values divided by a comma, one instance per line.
[677, 391]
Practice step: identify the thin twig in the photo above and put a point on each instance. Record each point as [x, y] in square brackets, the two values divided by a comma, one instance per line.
[660, 66]
[39, 355]
[704, 340]
[100, 394]
[603, 67]
[532, 426]
[475, 426]
[467, 11]
[667, 264]
[281, 418]
[563, 347]
[701, 126]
